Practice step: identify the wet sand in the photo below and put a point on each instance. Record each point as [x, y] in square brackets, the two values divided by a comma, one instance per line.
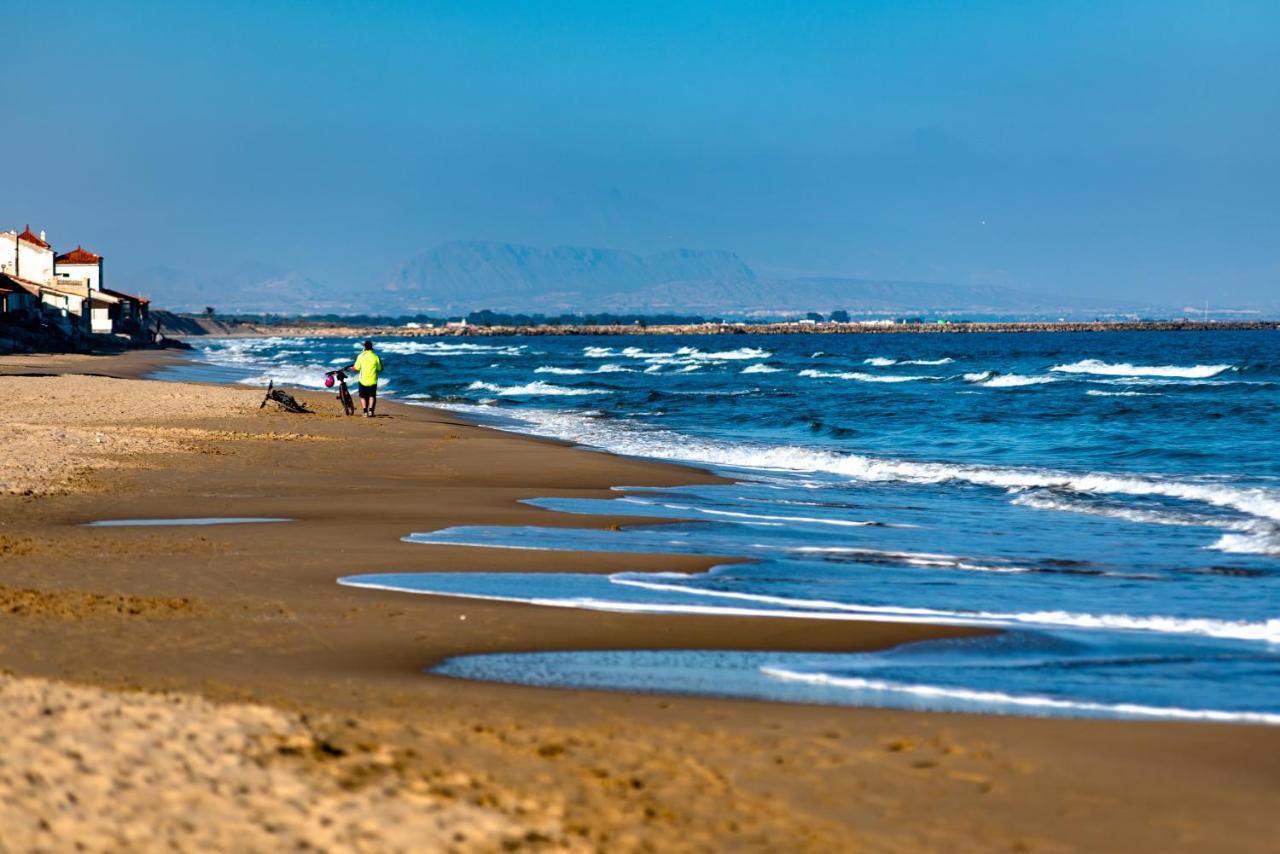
[251, 614]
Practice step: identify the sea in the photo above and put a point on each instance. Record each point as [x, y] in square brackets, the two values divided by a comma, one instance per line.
[1110, 501]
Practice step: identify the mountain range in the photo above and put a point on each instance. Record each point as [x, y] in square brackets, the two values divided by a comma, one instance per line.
[463, 276]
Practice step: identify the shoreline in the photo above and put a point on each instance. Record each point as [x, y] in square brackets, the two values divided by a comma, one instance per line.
[269, 624]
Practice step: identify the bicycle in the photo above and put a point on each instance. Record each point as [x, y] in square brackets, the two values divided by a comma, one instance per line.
[344, 393]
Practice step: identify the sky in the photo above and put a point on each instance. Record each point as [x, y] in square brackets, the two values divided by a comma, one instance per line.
[1086, 148]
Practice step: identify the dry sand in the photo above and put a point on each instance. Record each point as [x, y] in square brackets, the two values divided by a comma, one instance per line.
[251, 614]
[106, 771]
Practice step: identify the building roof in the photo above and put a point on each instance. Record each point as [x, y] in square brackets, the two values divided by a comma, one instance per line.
[78, 256]
[32, 238]
[123, 295]
[8, 281]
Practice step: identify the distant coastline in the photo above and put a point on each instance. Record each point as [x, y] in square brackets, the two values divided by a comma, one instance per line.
[186, 325]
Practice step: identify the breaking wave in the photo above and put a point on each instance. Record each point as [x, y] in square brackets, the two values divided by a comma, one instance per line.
[534, 388]
[882, 362]
[1124, 369]
[861, 377]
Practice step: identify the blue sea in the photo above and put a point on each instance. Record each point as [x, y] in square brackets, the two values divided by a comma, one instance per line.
[1110, 500]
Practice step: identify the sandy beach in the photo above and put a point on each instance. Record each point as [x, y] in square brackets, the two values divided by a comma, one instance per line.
[214, 688]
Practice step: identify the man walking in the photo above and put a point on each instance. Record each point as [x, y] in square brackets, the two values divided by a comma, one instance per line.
[369, 365]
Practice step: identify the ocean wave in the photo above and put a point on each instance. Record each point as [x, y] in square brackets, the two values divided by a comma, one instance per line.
[448, 348]
[1252, 538]
[1045, 501]
[760, 368]
[882, 362]
[1093, 392]
[732, 514]
[536, 387]
[1266, 631]
[679, 356]
[1013, 381]
[861, 377]
[1124, 369]
[603, 369]
[1022, 701]
[307, 376]
[670, 445]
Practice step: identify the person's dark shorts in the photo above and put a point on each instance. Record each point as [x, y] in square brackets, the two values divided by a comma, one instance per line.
[368, 392]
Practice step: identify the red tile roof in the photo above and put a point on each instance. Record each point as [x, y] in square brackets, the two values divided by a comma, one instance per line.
[32, 238]
[78, 256]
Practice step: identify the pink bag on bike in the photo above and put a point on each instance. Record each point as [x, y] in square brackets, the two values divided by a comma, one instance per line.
[328, 380]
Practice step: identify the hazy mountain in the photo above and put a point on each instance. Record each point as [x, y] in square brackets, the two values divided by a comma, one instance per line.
[455, 278]
[249, 287]
[466, 275]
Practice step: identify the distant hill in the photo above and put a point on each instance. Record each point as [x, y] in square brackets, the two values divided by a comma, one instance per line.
[463, 276]
[250, 287]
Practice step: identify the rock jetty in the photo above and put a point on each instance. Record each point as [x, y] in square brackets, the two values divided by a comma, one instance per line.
[303, 328]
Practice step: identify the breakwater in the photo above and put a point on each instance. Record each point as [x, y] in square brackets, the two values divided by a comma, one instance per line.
[791, 328]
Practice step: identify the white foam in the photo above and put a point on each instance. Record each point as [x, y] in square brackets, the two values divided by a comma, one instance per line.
[927, 559]
[822, 609]
[1019, 700]
[882, 362]
[842, 523]
[1267, 631]
[760, 368]
[310, 376]
[683, 355]
[1124, 369]
[537, 387]
[1261, 538]
[861, 377]
[569, 372]
[663, 444]
[1041, 501]
[1014, 381]
[1093, 392]
[448, 348]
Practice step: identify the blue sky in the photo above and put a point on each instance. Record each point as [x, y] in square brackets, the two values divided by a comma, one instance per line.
[1072, 147]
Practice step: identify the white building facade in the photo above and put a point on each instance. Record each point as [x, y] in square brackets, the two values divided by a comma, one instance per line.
[79, 266]
[26, 256]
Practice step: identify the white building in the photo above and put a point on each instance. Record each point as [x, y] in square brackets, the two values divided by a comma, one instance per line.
[79, 266]
[26, 256]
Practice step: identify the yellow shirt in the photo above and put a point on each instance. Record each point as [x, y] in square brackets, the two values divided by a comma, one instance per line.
[369, 366]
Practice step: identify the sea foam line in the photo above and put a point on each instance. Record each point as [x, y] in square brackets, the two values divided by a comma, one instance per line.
[662, 444]
[1019, 700]
[819, 609]
[1268, 631]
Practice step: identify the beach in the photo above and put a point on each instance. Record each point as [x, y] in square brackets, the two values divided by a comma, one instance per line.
[315, 694]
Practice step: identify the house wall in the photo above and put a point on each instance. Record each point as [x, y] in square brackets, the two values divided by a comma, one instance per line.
[92, 273]
[32, 263]
[8, 245]
[100, 321]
